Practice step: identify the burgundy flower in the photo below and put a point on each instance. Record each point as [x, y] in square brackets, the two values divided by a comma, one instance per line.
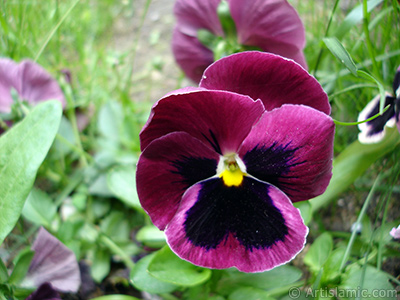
[268, 25]
[222, 163]
[32, 83]
[53, 263]
[374, 131]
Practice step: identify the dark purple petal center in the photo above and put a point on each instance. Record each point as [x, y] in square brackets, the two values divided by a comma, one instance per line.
[246, 211]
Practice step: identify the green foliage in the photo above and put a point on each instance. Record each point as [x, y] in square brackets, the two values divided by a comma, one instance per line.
[23, 149]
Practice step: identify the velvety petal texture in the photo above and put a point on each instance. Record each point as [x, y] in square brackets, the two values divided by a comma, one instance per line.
[292, 148]
[54, 263]
[167, 168]
[221, 168]
[44, 292]
[219, 119]
[271, 25]
[32, 83]
[253, 227]
[268, 77]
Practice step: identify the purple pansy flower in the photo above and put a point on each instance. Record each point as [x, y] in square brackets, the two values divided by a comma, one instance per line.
[222, 163]
[32, 83]
[269, 25]
[53, 263]
[374, 131]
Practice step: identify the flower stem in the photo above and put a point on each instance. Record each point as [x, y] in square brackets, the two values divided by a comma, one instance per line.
[110, 244]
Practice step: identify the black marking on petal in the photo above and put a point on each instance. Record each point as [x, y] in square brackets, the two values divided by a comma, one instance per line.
[377, 125]
[271, 164]
[246, 211]
[213, 142]
[194, 169]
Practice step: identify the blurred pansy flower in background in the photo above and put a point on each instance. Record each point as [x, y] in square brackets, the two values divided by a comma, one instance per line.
[223, 162]
[374, 131]
[53, 263]
[395, 232]
[44, 292]
[25, 81]
[207, 30]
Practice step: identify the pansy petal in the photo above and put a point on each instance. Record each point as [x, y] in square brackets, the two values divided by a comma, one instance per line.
[192, 15]
[53, 262]
[271, 78]
[272, 25]
[374, 131]
[8, 80]
[166, 168]
[37, 84]
[292, 148]
[253, 227]
[190, 54]
[44, 292]
[219, 119]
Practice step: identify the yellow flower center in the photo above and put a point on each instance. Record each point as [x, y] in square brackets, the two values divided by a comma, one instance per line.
[232, 175]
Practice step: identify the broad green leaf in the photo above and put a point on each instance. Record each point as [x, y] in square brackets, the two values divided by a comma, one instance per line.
[23, 149]
[100, 266]
[143, 281]
[151, 236]
[352, 163]
[121, 182]
[278, 277]
[110, 120]
[249, 293]
[3, 272]
[116, 225]
[319, 252]
[354, 17]
[21, 267]
[168, 267]
[341, 54]
[64, 140]
[332, 264]
[370, 283]
[39, 208]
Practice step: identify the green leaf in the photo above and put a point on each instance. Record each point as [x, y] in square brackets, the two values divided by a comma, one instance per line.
[110, 121]
[352, 163]
[341, 54]
[369, 282]
[319, 252]
[268, 280]
[249, 293]
[354, 17]
[151, 236]
[121, 182]
[3, 272]
[39, 208]
[168, 267]
[21, 267]
[143, 281]
[23, 149]
[332, 265]
[100, 266]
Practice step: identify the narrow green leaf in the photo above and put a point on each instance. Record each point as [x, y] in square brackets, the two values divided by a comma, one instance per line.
[23, 149]
[354, 17]
[338, 50]
[352, 163]
[21, 267]
[168, 267]
[100, 265]
[3, 272]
